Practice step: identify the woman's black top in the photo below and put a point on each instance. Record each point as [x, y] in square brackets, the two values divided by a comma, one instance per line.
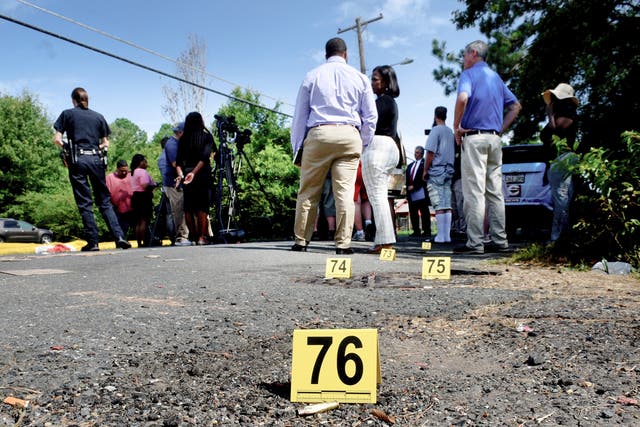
[387, 116]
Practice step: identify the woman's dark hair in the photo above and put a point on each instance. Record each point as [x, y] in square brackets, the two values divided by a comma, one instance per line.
[193, 135]
[389, 78]
[135, 161]
[193, 123]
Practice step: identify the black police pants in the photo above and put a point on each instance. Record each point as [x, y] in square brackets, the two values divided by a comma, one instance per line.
[89, 169]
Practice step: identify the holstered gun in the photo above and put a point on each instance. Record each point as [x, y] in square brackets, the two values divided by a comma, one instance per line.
[104, 157]
[68, 155]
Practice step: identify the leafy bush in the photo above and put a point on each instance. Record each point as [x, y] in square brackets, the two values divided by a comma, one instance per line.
[606, 211]
[29, 160]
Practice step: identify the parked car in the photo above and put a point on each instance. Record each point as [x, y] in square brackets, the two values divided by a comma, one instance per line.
[13, 230]
[527, 194]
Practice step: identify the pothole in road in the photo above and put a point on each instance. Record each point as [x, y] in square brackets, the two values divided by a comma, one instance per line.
[406, 281]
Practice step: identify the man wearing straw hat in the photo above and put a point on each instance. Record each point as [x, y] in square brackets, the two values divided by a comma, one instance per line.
[561, 107]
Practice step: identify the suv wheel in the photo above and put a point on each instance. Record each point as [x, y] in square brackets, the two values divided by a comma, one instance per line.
[47, 238]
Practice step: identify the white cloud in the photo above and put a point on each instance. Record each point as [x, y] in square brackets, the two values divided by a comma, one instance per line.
[387, 41]
[405, 22]
[14, 87]
[401, 10]
[8, 5]
[349, 10]
[318, 56]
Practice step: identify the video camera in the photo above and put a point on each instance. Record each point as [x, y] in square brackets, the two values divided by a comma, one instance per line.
[229, 132]
[227, 123]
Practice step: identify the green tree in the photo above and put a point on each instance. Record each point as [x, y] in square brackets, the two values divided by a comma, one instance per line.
[537, 44]
[126, 139]
[29, 161]
[267, 181]
[165, 130]
[33, 181]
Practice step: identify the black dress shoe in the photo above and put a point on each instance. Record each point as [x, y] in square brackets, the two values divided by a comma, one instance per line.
[464, 249]
[492, 247]
[344, 251]
[90, 247]
[298, 248]
[122, 244]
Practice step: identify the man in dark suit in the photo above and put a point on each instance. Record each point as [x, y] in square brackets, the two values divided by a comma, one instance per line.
[418, 196]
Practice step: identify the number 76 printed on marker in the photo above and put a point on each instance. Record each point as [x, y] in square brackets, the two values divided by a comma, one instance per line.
[335, 365]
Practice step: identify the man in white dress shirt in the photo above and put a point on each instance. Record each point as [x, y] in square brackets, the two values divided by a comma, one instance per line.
[335, 116]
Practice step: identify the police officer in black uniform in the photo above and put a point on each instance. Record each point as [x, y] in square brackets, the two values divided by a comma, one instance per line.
[87, 142]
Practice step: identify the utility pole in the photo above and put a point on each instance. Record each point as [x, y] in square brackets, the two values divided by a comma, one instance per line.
[358, 28]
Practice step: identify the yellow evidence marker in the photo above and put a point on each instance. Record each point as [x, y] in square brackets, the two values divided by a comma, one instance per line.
[436, 268]
[426, 246]
[387, 254]
[338, 268]
[335, 365]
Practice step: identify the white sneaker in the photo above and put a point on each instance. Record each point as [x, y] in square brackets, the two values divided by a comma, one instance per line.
[183, 243]
[359, 236]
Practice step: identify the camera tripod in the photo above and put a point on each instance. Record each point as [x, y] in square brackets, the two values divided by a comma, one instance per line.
[163, 215]
[228, 168]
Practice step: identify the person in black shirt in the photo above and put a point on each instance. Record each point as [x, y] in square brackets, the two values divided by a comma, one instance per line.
[193, 167]
[382, 155]
[561, 106]
[87, 140]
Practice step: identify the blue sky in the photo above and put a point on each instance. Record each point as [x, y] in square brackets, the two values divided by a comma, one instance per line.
[266, 46]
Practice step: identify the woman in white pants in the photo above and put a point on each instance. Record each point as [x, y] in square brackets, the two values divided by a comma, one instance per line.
[382, 155]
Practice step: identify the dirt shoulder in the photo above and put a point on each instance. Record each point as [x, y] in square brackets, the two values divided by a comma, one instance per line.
[203, 336]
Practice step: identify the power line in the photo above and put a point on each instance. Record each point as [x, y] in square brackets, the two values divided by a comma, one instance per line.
[137, 64]
[152, 52]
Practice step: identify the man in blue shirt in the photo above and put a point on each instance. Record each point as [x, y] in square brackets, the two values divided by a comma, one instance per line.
[479, 122]
[335, 116]
[438, 172]
[172, 191]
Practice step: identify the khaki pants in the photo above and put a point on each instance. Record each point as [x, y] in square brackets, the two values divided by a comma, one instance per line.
[176, 200]
[481, 166]
[336, 148]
